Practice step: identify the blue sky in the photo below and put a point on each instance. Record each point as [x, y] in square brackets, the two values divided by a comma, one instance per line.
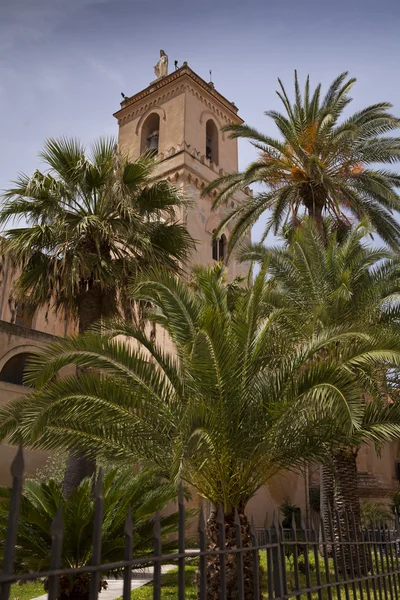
[64, 63]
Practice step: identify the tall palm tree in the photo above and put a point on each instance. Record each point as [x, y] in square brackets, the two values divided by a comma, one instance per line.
[143, 494]
[322, 164]
[241, 396]
[92, 221]
[337, 281]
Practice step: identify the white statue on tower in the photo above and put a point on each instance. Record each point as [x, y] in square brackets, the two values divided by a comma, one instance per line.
[161, 68]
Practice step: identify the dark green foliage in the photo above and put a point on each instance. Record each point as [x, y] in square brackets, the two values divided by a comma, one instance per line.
[315, 498]
[288, 511]
[93, 220]
[144, 493]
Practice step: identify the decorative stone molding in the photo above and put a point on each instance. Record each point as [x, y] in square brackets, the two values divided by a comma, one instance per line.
[184, 147]
[186, 80]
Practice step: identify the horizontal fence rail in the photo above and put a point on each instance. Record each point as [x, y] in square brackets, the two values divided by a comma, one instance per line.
[333, 560]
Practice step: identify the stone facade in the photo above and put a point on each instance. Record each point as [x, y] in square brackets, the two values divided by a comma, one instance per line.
[181, 116]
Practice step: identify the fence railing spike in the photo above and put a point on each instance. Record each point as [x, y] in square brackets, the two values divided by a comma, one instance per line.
[128, 528]
[98, 486]
[202, 521]
[157, 526]
[293, 524]
[57, 524]
[181, 498]
[237, 518]
[18, 464]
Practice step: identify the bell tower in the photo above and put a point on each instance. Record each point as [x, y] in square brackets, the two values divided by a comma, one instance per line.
[181, 117]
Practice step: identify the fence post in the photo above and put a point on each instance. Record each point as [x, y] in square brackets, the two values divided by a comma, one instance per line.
[157, 554]
[97, 531]
[17, 471]
[128, 555]
[181, 544]
[56, 530]
[222, 556]
[239, 556]
[276, 558]
[256, 562]
[203, 558]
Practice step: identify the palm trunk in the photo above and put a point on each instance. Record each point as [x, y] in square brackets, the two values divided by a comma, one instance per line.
[347, 503]
[213, 562]
[79, 465]
[327, 500]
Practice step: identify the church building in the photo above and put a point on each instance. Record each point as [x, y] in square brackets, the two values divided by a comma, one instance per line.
[180, 116]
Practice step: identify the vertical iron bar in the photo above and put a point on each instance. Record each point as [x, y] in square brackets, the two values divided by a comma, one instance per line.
[350, 546]
[334, 545]
[326, 562]
[390, 564]
[371, 553]
[283, 555]
[376, 536]
[342, 546]
[397, 545]
[303, 528]
[256, 565]
[222, 556]
[17, 470]
[56, 531]
[314, 543]
[359, 569]
[157, 554]
[393, 547]
[268, 552]
[382, 562]
[203, 558]
[128, 552]
[293, 535]
[276, 559]
[97, 531]
[181, 545]
[239, 556]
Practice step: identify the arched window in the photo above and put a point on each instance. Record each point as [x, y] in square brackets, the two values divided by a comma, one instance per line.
[219, 248]
[13, 370]
[150, 133]
[212, 141]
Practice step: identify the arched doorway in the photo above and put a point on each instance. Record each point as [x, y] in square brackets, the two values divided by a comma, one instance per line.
[13, 369]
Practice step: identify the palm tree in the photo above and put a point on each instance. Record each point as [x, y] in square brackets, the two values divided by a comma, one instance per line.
[143, 493]
[322, 164]
[337, 281]
[241, 396]
[93, 220]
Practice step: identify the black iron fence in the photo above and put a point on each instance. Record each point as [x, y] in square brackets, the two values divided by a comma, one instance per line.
[300, 562]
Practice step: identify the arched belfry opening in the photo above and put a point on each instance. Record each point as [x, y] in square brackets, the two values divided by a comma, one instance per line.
[212, 141]
[13, 370]
[150, 133]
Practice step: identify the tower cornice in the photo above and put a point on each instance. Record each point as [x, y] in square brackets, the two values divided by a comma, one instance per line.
[183, 75]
